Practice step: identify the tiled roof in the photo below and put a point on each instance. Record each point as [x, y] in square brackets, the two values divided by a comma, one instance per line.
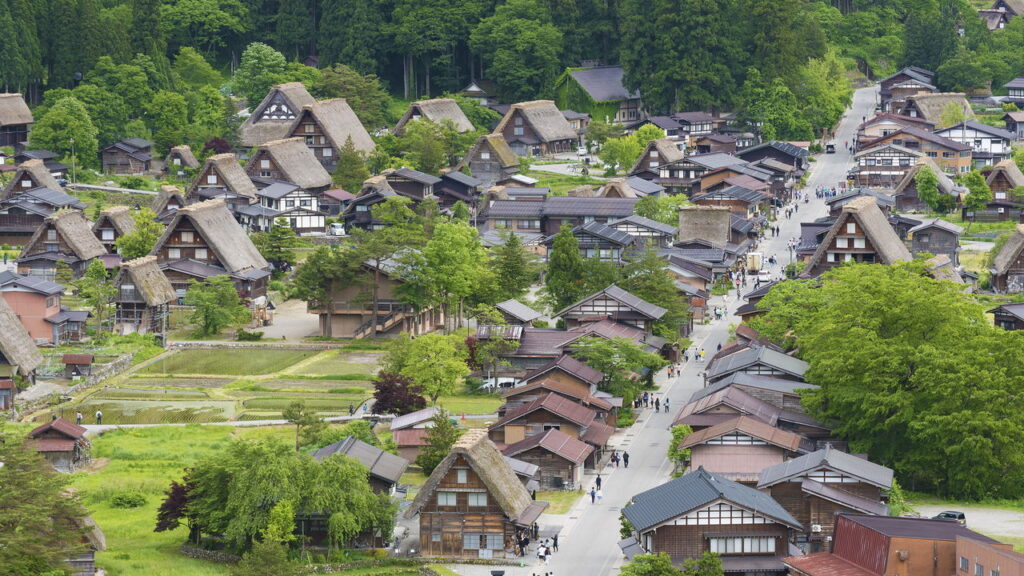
[758, 355]
[381, 464]
[556, 442]
[751, 427]
[413, 418]
[638, 304]
[569, 365]
[828, 457]
[555, 404]
[603, 83]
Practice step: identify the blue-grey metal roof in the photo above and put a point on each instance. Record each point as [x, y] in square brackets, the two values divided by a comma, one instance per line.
[828, 457]
[734, 191]
[278, 190]
[666, 229]
[53, 198]
[695, 490]
[603, 83]
[33, 283]
[381, 464]
[461, 178]
[716, 160]
[784, 147]
[757, 355]
[605, 232]
[599, 207]
[417, 176]
[518, 309]
[515, 209]
[645, 187]
[652, 311]
[526, 192]
[753, 381]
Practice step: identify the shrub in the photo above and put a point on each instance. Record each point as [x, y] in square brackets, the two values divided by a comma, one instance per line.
[246, 336]
[540, 324]
[128, 500]
[134, 182]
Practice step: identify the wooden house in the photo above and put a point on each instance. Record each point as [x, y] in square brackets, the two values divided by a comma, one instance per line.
[861, 233]
[37, 303]
[1015, 87]
[869, 545]
[615, 188]
[704, 512]
[884, 165]
[755, 177]
[483, 91]
[7, 392]
[95, 541]
[646, 231]
[275, 116]
[974, 557]
[50, 159]
[291, 182]
[490, 160]
[668, 125]
[885, 201]
[548, 216]
[1007, 271]
[953, 157]
[473, 505]
[19, 356]
[743, 201]
[740, 448]
[77, 365]
[815, 487]
[23, 214]
[989, 145]
[64, 236]
[905, 192]
[179, 160]
[1014, 122]
[359, 212]
[222, 177]
[731, 402]
[615, 304]
[657, 154]
[128, 156]
[385, 468]
[143, 297]
[516, 313]
[438, 111]
[559, 457]
[931, 106]
[886, 123]
[783, 393]
[710, 143]
[936, 237]
[113, 223]
[599, 91]
[204, 240]
[606, 407]
[457, 187]
[1009, 316]
[411, 183]
[326, 126]
[784, 152]
[597, 240]
[15, 120]
[695, 124]
[552, 411]
[30, 175]
[167, 202]
[349, 311]
[760, 360]
[334, 201]
[910, 81]
[409, 431]
[63, 444]
[579, 121]
[1007, 184]
[537, 128]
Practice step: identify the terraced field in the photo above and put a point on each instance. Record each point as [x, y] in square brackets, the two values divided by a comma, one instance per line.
[247, 362]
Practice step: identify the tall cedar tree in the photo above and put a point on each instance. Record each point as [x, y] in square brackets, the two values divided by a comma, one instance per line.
[365, 93]
[278, 245]
[395, 394]
[352, 33]
[512, 266]
[350, 172]
[216, 305]
[441, 436]
[565, 269]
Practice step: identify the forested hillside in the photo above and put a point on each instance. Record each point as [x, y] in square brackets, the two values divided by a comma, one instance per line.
[784, 63]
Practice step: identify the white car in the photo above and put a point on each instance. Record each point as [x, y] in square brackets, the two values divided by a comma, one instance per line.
[764, 276]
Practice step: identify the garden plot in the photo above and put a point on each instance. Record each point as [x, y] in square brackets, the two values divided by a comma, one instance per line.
[120, 411]
[161, 382]
[343, 363]
[242, 362]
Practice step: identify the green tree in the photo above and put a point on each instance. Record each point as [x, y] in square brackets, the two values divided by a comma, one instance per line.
[437, 364]
[141, 240]
[216, 305]
[294, 32]
[455, 266]
[203, 24]
[482, 117]
[192, 70]
[929, 38]
[279, 244]
[512, 267]
[266, 557]
[647, 278]
[617, 358]
[261, 68]
[664, 209]
[676, 455]
[66, 125]
[565, 267]
[307, 422]
[353, 33]
[424, 144]
[326, 270]
[708, 564]
[167, 118]
[488, 354]
[96, 290]
[107, 110]
[621, 153]
[962, 72]
[128, 81]
[927, 183]
[37, 512]
[350, 172]
[281, 523]
[365, 93]
[951, 114]
[979, 194]
[441, 436]
[521, 46]
[651, 565]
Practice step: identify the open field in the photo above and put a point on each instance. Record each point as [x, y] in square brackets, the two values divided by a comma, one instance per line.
[237, 362]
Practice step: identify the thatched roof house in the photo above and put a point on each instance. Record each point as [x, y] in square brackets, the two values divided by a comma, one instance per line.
[30, 174]
[13, 110]
[338, 122]
[64, 236]
[931, 106]
[17, 349]
[1008, 266]
[117, 217]
[861, 233]
[183, 154]
[227, 175]
[292, 161]
[617, 188]
[436, 110]
[658, 153]
[546, 120]
[149, 281]
[167, 201]
[222, 234]
[273, 118]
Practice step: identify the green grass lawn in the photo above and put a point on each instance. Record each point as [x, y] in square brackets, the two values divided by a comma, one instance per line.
[559, 502]
[561, 183]
[343, 362]
[235, 362]
[458, 405]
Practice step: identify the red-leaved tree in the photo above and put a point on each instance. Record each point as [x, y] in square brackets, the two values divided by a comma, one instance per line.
[395, 394]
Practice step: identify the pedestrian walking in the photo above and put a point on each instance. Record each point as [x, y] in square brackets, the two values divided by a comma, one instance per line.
[554, 542]
[625, 459]
[701, 354]
[547, 554]
[540, 553]
[78, 418]
[598, 482]
[99, 417]
[615, 459]
[593, 491]
[666, 405]
[686, 355]
[600, 494]
[657, 405]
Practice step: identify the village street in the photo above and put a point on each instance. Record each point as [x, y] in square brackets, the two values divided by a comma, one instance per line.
[589, 533]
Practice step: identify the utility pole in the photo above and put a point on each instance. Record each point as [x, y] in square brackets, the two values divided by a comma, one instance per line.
[74, 180]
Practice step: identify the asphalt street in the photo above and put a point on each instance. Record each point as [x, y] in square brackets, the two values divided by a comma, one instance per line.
[589, 533]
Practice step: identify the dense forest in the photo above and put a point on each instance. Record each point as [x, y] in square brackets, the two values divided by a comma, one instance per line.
[782, 63]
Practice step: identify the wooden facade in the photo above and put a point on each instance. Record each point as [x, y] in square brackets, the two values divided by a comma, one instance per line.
[884, 166]
[612, 303]
[126, 158]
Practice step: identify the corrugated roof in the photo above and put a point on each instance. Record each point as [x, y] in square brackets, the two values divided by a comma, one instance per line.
[553, 403]
[652, 311]
[751, 427]
[562, 388]
[461, 178]
[569, 365]
[556, 442]
[518, 310]
[78, 359]
[653, 225]
[33, 283]
[695, 490]
[937, 223]
[784, 147]
[413, 418]
[597, 207]
[744, 379]
[644, 187]
[734, 191]
[410, 437]
[604, 232]
[738, 400]
[844, 498]
[603, 83]
[828, 457]
[416, 176]
[825, 564]
[917, 528]
[65, 427]
[381, 464]
[758, 355]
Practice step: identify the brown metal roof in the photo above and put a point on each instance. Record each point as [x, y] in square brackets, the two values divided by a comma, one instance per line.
[571, 366]
[919, 528]
[556, 442]
[737, 400]
[410, 437]
[598, 434]
[555, 404]
[824, 564]
[77, 359]
[66, 427]
[561, 388]
[751, 427]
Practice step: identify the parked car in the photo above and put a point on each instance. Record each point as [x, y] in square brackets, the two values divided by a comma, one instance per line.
[830, 149]
[952, 515]
[764, 276]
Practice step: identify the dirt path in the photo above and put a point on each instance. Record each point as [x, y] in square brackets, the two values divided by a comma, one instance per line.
[994, 522]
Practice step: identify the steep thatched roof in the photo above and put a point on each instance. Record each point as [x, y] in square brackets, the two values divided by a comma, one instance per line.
[946, 185]
[667, 152]
[545, 119]
[1010, 170]
[120, 218]
[16, 346]
[941, 268]
[436, 110]
[931, 106]
[164, 196]
[498, 145]
[255, 130]
[222, 233]
[188, 159]
[37, 172]
[1008, 254]
[145, 274]
[617, 188]
[487, 462]
[297, 162]
[872, 221]
[75, 230]
[340, 123]
[13, 110]
[232, 175]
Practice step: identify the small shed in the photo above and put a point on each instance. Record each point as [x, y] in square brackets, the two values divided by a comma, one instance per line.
[7, 392]
[77, 365]
[385, 468]
[62, 443]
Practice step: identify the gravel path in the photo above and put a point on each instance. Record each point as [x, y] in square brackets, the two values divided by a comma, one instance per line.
[994, 522]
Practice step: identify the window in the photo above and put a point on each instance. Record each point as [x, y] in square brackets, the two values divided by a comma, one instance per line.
[51, 234]
[107, 234]
[174, 253]
[435, 536]
[52, 300]
[736, 439]
[869, 161]
[554, 426]
[186, 237]
[979, 570]
[307, 128]
[654, 153]
[858, 242]
[310, 141]
[200, 253]
[176, 161]
[831, 257]
[26, 183]
[1000, 195]
[306, 202]
[923, 238]
[932, 154]
[477, 498]
[519, 121]
[211, 178]
[947, 154]
[483, 541]
[759, 545]
[841, 242]
[502, 223]
[362, 208]
[328, 152]
[265, 164]
[720, 514]
[460, 476]
[446, 498]
[517, 131]
[266, 174]
[847, 257]
[994, 572]
[654, 164]
[485, 155]
[851, 228]
[964, 565]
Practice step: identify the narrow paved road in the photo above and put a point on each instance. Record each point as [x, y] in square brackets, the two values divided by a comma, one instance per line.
[589, 532]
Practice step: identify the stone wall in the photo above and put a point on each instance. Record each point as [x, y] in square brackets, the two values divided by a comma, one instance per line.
[710, 223]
